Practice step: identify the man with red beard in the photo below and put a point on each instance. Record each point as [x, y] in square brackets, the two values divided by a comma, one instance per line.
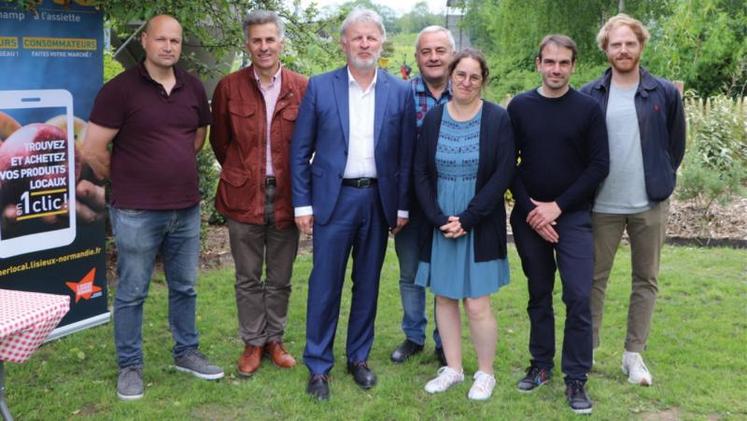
[646, 131]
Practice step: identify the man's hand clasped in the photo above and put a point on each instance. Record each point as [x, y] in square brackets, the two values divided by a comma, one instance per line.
[542, 219]
[401, 222]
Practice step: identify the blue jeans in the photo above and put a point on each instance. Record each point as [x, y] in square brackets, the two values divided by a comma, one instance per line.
[414, 319]
[139, 236]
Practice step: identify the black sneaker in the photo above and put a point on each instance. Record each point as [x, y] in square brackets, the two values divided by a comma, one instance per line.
[577, 398]
[406, 350]
[535, 378]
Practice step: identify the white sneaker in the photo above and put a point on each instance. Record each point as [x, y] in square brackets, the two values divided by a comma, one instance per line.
[447, 377]
[483, 386]
[635, 368]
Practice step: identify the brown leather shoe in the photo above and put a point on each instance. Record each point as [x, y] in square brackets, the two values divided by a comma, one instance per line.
[279, 356]
[249, 360]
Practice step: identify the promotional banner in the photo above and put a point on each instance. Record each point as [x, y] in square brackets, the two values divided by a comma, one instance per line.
[52, 208]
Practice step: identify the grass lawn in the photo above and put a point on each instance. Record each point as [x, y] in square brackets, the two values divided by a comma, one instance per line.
[696, 353]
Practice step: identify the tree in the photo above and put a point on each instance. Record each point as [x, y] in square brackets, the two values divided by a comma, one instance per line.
[418, 18]
[704, 43]
[216, 26]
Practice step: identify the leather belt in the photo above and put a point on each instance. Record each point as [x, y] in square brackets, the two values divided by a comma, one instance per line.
[359, 183]
[270, 181]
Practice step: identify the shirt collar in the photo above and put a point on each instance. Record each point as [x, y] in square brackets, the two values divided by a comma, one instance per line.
[275, 77]
[351, 79]
[422, 89]
[144, 73]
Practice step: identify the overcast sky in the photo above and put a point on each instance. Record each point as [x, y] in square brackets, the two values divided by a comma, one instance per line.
[399, 6]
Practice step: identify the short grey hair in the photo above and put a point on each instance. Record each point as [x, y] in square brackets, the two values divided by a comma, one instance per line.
[360, 14]
[433, 29]
[261, 17]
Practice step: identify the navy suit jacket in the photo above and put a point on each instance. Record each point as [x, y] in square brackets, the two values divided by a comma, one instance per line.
[319, 148]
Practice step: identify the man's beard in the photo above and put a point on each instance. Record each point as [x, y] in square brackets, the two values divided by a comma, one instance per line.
[630, 66]
[365, 64]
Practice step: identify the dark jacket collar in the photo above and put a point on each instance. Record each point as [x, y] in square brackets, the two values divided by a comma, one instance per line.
[646, 83]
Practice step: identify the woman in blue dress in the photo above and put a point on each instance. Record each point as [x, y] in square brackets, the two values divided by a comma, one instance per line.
[464, 163]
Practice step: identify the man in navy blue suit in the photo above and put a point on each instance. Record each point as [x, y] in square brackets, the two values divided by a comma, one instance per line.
[350, 163]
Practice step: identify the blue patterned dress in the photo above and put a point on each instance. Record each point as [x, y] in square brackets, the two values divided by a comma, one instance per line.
[452, 271]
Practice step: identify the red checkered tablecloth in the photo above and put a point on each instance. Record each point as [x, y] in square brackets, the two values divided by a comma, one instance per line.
[26, 318]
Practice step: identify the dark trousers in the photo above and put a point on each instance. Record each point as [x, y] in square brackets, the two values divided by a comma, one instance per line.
[358, 225]
[262, 304]
[573, 257]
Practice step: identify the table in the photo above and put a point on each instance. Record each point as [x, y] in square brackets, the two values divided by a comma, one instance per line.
[26, 318]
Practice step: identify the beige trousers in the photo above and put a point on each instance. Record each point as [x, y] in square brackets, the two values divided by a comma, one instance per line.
[646, 232]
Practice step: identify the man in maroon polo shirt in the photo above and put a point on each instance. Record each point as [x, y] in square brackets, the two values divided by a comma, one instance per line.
[254, 111]
[155, 118]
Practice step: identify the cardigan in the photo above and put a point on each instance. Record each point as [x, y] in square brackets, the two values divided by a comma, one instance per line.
[485, 213]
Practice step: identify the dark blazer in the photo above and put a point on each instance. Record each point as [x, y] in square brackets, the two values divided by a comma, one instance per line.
[322, 130]
[486, 213]
[661, 123]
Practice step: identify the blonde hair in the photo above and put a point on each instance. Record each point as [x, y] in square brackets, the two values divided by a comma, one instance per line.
[640, 31]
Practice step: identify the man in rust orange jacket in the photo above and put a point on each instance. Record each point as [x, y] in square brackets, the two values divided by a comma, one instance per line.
[254, 112]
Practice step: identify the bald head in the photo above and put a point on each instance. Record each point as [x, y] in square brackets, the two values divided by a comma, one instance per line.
[162, 42]
[157, 20]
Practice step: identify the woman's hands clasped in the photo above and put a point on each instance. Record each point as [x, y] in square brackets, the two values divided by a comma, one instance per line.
[453, 228]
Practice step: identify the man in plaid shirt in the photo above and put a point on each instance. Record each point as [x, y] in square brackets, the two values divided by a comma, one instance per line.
[434, 48]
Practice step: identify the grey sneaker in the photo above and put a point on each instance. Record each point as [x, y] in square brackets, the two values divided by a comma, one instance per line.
[130, 383]
[534, 378]
[196, 363]
[577, 398]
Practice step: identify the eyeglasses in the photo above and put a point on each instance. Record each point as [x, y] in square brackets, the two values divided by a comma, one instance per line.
[474, 79]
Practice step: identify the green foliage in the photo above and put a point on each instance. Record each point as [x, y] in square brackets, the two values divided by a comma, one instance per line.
[216, 26]
[418, 18]
[715, 166]
[509, 31]
[388, 15]
[111, 67]
[703, 42]
[209, 174]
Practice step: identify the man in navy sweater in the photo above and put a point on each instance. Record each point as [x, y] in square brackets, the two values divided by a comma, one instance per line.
[561, 141]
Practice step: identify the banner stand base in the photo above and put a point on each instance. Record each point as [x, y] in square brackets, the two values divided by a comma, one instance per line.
[79, 325]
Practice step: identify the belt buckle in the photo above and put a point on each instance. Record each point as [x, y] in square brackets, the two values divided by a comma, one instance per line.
[363, 182]
[270, 181]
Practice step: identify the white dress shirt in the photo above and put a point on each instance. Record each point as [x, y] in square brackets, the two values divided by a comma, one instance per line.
[361, 161]
[361, 109]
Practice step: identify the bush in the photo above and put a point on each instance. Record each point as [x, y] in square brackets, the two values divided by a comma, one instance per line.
[715, 166]
[111, 66]
[209, 173]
